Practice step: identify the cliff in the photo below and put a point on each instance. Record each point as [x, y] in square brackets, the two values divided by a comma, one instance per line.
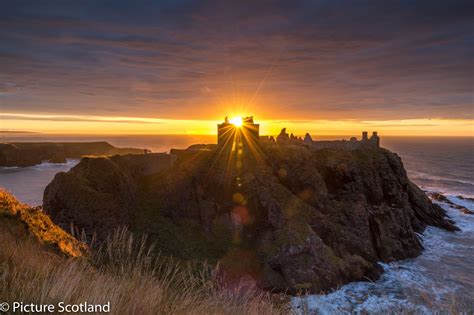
[24, 222]
[289, 217]
[27, 154]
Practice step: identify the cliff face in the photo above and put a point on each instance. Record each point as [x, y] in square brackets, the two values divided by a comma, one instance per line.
[288, 216]
[27, 154]
[99, 194]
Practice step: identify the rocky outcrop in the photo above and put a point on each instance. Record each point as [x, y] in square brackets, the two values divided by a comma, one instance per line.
[24, 154]
[283, 136]
[98, 194]
[441, 198]
[309, 219]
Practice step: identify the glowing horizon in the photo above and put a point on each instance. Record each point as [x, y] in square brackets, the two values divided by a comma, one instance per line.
[88, 125]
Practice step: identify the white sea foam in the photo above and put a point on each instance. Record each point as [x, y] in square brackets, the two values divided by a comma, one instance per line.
[462, 202]
[46, 166]
[6, 168]
[426, 284]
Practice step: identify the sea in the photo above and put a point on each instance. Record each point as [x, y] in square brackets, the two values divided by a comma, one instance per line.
[441, 279]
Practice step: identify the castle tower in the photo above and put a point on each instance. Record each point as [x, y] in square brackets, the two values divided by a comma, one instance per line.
[375, 139]
[250, 131]
[365, 136]
[228, 133]
[225, 131]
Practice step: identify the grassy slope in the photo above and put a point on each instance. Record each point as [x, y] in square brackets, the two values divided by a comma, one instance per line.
[24, 222]
[37, 265]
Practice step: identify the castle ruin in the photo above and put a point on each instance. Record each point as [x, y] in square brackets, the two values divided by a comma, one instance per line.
[228, 133]
[249, 133]
[352, 144]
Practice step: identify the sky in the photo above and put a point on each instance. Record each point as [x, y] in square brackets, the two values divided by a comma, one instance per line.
[179, 67]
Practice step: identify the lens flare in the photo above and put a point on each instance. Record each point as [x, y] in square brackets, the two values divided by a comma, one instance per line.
[236, 121]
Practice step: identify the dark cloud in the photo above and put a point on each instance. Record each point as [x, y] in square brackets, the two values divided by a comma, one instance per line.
[188, 59]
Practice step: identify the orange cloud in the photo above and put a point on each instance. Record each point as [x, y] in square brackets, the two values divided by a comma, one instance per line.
[64, 124]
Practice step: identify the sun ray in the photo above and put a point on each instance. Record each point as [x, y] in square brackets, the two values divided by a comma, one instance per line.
[236, 121]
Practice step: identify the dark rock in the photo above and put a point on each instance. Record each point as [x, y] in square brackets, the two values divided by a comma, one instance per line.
[465, 198]
[24, 154]
[307, 138]
[310, 219]
[441, 198]
[58, 158]
[283, 137]
[99, 194]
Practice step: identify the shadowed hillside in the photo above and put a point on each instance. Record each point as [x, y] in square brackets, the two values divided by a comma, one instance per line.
[284, 217]
[42, 264]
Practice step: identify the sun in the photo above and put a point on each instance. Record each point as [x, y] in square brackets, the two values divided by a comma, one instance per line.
[236, 121]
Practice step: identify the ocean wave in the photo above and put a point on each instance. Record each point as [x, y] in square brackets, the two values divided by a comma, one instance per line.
[464, 221]
[7, 168]
[445, 184]
[461, 200]
[46, 166]
[458, 196]
[426, 284]
[43, 166]
[458, 178]
[389, 294]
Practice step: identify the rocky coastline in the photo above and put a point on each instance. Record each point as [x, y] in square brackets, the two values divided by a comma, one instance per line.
[23, 154]
[287, 218]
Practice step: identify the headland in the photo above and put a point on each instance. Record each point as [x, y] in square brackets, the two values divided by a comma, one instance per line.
[290, 214]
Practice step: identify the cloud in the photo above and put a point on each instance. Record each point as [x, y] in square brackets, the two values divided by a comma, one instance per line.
[8, 116]
[175, 59]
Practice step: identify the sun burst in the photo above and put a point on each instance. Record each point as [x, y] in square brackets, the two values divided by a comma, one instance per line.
[236, 121]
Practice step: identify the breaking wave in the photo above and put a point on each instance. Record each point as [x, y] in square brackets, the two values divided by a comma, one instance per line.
[445, 185]
[438, 280]
[46, 166]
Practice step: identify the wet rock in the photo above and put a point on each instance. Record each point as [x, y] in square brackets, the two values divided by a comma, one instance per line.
[441, 198]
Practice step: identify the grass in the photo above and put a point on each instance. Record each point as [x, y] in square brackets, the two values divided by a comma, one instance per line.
[33, 222]
[123, 271]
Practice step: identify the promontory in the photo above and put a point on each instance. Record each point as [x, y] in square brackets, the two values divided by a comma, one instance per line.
[289, 214]
[22, 154]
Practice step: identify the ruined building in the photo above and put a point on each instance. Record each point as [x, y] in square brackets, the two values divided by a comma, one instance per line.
[228, 133]
[352, 144]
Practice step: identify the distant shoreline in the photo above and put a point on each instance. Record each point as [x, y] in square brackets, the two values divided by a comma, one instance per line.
[22, 154]
[85, 135]
[19, 131]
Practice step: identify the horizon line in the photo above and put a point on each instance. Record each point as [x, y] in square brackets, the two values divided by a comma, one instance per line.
[215, 134]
